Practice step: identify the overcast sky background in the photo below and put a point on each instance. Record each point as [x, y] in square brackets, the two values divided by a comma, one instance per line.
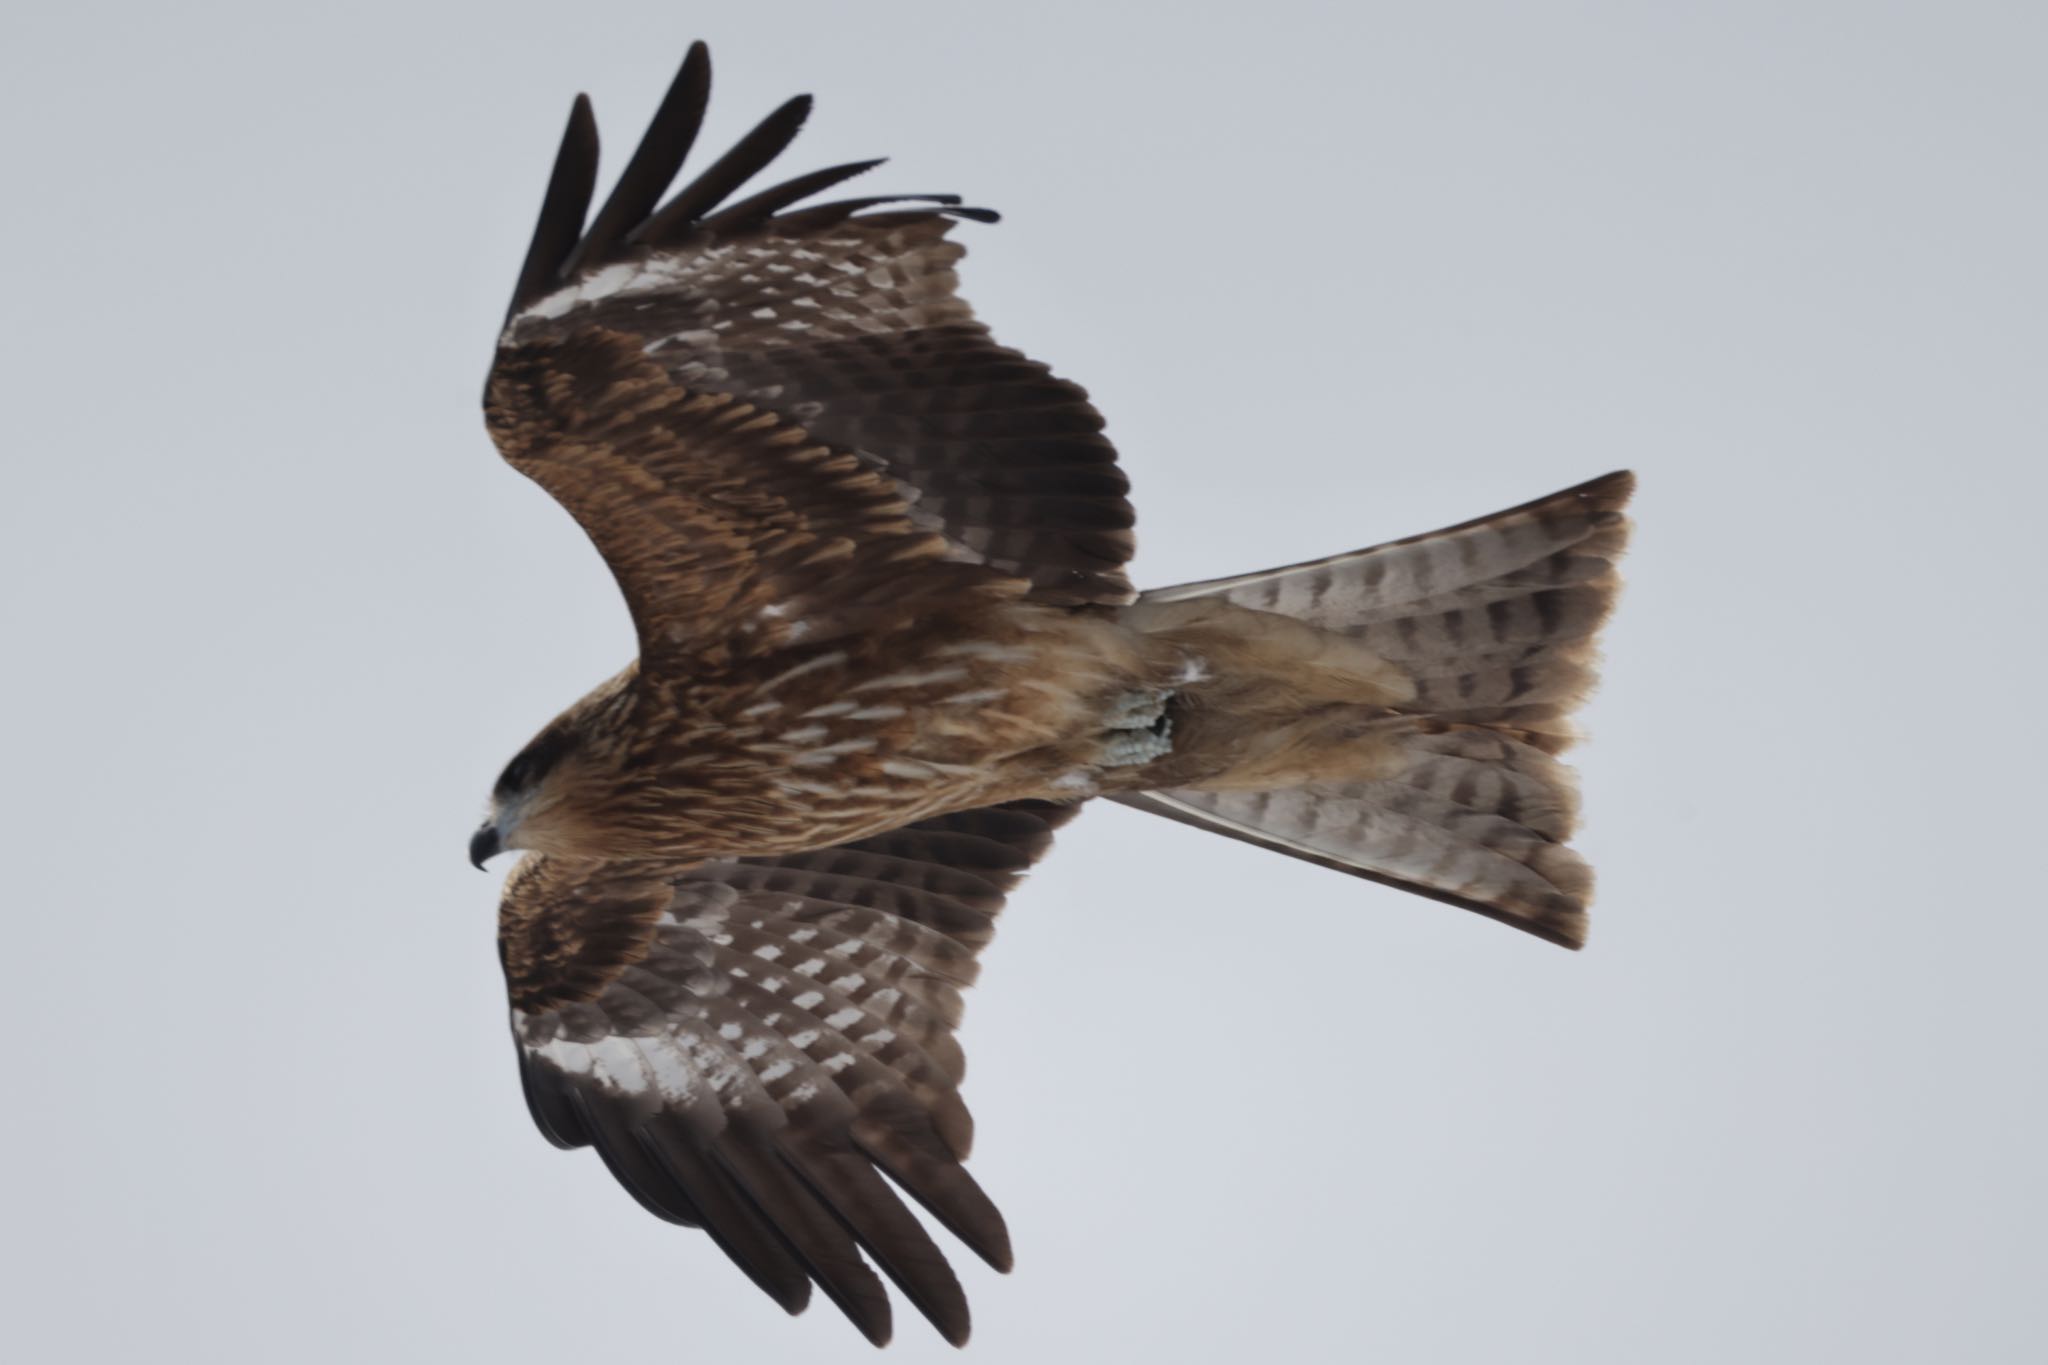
[276, 614]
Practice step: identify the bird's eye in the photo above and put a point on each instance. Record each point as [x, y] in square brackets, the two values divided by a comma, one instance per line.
[513, 778]
[532, 763]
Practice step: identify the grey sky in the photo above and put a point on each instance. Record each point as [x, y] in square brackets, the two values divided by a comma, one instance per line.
[1336, 273]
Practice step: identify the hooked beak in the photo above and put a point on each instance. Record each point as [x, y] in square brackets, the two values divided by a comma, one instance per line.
[483, 845]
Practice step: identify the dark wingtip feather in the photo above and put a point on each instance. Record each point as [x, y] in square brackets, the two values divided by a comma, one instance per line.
[670, 135]
[630, 216]
[732, 1220]
[812, 1233]
[898, 1137]
[570, 185]
[842, 1179]
[728, 173]
[758, 207]
[838, 210]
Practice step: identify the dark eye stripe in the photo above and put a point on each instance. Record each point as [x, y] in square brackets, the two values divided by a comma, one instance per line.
[533, 762]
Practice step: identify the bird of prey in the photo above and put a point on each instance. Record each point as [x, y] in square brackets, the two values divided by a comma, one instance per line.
[875, 563]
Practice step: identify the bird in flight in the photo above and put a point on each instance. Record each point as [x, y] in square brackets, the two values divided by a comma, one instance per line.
[875, 562]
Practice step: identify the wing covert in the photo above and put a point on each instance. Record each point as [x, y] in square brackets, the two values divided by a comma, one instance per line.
[729, 529]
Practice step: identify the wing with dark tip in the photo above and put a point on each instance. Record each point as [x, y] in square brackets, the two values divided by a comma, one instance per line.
[763, 1048]
[843, 320]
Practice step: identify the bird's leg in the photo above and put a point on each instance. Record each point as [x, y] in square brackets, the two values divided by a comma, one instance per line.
[1136, 710]
[1130, 748]
[1139, 727]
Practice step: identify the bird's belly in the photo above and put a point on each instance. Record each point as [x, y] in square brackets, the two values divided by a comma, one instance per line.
[852, 742]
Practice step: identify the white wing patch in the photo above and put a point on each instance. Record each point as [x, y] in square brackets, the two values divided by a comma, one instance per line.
[838, 301]
[654, 1065]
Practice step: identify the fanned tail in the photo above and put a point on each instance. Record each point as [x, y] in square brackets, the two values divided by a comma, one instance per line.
[1468, 650]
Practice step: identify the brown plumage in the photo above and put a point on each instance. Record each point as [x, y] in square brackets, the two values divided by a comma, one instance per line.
[886, 645]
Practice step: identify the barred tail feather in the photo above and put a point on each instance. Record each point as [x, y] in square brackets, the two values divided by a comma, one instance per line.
[1457, 794]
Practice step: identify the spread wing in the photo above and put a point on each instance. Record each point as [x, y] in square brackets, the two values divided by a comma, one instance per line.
[750, 1044]
[787, 390]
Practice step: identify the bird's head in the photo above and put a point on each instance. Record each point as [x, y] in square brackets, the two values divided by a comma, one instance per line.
[538, 787]
[558, 793]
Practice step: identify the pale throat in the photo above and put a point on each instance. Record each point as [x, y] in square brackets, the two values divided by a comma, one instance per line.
[507, 815]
